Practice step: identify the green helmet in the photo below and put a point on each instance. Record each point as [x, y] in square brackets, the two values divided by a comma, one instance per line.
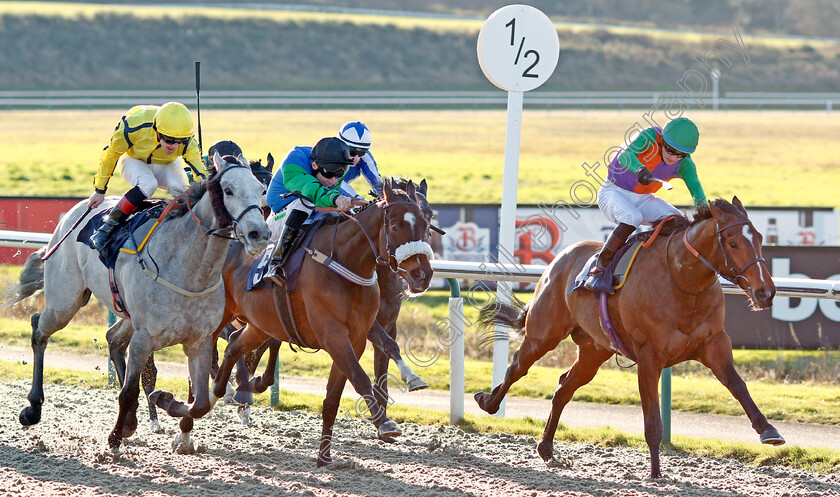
[681, 134]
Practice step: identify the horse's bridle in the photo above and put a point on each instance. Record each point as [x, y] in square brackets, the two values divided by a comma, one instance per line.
[737, 273]
[393, 261]
[231, 231]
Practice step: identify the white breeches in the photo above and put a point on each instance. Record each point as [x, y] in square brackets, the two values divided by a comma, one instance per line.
[635, 209]
[150, 177]
[277, 222]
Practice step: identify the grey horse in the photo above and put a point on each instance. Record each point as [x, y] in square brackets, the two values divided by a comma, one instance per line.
[172, 289]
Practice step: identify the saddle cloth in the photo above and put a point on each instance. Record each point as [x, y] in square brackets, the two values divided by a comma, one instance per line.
[131, 237]
[292, 265]
[617, 271]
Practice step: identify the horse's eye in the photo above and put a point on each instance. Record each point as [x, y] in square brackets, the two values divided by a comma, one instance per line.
[228, 191]
[733, 244]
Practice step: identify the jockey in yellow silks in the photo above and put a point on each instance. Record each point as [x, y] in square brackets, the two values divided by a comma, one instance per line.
[147, 146]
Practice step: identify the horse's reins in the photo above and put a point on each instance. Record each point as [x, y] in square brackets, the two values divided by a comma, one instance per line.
[224, 231]
[738, 273]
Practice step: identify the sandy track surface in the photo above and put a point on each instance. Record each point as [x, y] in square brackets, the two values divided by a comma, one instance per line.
[67, 454]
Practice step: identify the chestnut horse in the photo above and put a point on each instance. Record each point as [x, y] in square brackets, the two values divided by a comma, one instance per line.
[331, 312]
[671, 310]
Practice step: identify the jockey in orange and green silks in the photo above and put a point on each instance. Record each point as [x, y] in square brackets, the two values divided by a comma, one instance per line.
[628, 197]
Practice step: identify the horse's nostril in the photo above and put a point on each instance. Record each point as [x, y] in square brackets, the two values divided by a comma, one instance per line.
[417, 274]
[254, 235]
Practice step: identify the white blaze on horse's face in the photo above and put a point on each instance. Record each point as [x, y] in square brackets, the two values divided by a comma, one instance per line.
[410, 219]
[749, 236]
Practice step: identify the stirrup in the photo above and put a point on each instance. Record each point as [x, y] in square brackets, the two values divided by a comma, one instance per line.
[275, 273]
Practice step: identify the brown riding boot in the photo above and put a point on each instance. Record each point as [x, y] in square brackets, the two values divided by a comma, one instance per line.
[613, 244]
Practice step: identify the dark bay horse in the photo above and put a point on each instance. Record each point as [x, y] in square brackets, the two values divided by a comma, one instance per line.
[174, 295]
[670, 310]
[331, 312]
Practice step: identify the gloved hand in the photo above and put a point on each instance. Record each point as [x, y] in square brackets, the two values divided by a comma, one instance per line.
[644, 176]
[343, 203]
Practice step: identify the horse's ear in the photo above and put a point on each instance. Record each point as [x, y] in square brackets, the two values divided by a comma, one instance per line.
[423, 188]
[245, 162]
[738, 205]
[411, 190]
[269, 162]
[388, 190]
[217, 159]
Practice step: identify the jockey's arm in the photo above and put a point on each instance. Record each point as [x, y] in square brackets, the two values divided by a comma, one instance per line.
[193, 165]
[109, 157]
[688, 173]
[296, 178]
[370, 170]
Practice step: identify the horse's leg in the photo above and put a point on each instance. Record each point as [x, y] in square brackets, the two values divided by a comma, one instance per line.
[380, 370]
[198, 363]
[260, 384]
[240, 344]
[531, 350]
[335, 386]
[138, 354]
[149, 378]
[649, 373]
[383, 338]
[345, 355]
[717, 356]
[588, 361]
[118, 336]
[44, 324]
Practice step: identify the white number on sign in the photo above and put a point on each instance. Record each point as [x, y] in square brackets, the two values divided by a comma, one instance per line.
[526, 73]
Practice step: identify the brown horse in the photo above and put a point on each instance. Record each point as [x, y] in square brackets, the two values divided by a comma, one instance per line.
[671, 310]
[331, 312]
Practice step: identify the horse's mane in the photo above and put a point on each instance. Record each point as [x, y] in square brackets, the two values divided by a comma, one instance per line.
[703, 213]
[196, 191]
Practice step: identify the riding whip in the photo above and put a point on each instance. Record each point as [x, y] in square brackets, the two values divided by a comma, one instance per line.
[51, 250]
[198, 101]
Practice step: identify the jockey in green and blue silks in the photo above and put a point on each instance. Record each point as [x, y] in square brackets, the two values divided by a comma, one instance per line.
[628, 197]
[314, 172]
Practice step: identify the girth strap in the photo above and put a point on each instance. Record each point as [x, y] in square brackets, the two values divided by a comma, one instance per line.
[283, 306]
[339, 269]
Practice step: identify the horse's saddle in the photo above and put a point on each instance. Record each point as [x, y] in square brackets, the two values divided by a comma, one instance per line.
[617, 271]
[131, 236]
[291, 266]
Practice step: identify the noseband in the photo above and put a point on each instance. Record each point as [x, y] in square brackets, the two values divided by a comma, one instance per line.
[737, 273]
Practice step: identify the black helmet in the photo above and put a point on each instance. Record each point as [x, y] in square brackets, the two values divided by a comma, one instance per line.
[331, 154]
[224, 147]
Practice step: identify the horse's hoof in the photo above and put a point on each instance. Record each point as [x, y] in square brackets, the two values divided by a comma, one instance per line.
[323, 461]
[30, 416]
[388, 440]
[154, 426]
[183, 444]
[415, 383]
[243, 398]
[771, 436]
[114, 442]
[481, 400]
[389, 428]
[244, 415]
[546, 452]
[161, 398]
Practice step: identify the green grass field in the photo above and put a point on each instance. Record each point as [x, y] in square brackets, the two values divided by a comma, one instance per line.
[766, 158]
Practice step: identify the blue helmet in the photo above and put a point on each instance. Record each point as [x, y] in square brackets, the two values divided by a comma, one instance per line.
[355, 134]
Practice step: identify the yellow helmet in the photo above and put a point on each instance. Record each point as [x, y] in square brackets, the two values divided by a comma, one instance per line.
[173, 119]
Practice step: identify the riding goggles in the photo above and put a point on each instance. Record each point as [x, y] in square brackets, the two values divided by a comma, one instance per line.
[357, 152]
[173, 141]
[671, 150]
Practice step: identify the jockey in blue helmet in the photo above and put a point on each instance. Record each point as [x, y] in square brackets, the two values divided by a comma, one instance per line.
[357, 137]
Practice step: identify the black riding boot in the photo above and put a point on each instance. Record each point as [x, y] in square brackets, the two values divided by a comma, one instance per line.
[613, 244]
[284, 245]
[102, 235]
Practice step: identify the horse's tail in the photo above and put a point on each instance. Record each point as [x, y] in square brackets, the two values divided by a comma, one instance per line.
[510, 315]
[31, 279]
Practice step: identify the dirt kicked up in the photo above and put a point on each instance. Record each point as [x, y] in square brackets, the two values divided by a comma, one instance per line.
[67, 454]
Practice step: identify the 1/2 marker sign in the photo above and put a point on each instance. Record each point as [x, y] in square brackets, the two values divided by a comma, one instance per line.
[518, 48]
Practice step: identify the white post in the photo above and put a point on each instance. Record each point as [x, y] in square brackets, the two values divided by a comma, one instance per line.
[507, 228]
[715, 89]
[456, 360]
[828, 107]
